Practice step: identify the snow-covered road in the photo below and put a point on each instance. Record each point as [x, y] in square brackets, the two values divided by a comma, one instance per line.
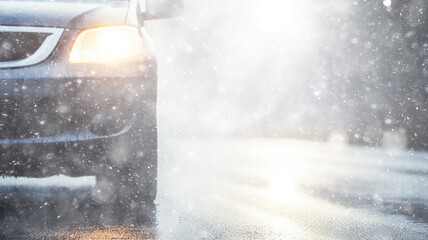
[247, 189]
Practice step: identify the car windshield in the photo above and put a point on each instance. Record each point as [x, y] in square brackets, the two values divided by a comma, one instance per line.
[232, 119]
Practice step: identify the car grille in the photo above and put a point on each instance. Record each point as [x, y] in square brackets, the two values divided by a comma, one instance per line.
[19, 45]
[34, 118]
[24, 46]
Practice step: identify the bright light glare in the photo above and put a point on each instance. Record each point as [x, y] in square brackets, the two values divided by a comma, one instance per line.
[107, 44]
[283, 186]
[291, 25]
[282, 16]
[284, 176]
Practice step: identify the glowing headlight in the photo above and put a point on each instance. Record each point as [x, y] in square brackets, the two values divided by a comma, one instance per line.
[107, 44]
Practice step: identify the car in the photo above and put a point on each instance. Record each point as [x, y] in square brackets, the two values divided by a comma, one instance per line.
[78, 93]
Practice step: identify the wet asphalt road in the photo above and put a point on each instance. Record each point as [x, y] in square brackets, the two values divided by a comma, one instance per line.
[242, 189]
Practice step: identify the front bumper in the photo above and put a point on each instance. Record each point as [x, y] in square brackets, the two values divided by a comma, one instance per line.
[82, 150]
[72, 158]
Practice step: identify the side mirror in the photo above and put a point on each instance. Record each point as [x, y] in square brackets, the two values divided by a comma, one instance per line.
[160, 9]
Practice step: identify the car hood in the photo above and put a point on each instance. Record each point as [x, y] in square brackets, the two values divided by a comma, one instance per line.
[62, 14]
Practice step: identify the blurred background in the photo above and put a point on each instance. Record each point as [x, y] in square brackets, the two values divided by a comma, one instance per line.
[336, 70]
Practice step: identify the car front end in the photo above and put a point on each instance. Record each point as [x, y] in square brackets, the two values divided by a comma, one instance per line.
[74, 87]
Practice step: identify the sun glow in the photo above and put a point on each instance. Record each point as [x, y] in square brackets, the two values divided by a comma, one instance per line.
[283, 16]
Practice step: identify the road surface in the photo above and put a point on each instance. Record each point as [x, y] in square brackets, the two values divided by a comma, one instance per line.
[243, 188]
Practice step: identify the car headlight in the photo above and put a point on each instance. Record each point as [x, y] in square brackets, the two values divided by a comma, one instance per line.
[107, 44]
